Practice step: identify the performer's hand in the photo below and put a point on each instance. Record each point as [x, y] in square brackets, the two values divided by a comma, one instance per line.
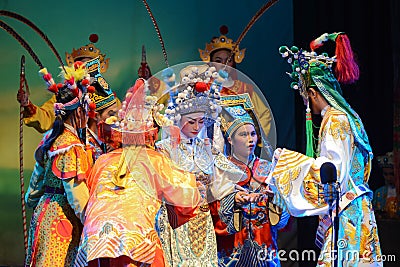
[23, 98]
[254, 197]
[240, 198]
[207, 141]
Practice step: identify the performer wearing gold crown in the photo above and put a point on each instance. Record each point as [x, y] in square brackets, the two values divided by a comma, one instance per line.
[386, 201]
[57, 188]
[194, 108]
[42, 118]
[246, 223]
[127, 187]
[343, 145]
[219, 51]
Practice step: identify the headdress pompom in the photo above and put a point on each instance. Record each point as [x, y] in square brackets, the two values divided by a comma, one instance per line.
[346, 70]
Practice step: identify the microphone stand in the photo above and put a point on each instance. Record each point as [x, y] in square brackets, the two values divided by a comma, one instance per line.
[336, 227]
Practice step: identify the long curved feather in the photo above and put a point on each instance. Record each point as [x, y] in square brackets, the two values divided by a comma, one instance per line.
[253, 20]
[36, 29]
[158, 31]
[21, 40]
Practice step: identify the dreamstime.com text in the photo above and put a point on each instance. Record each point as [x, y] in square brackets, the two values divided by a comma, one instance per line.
[344, 255]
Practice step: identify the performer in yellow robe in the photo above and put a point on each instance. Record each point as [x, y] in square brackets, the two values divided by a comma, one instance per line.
[42, 117]
[127, 187]
[57, 189]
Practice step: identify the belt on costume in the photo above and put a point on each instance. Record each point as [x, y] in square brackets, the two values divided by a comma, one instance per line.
[54, 190]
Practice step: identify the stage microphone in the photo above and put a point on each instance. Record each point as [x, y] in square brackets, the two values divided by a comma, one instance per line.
[328, 179]
[331, 193]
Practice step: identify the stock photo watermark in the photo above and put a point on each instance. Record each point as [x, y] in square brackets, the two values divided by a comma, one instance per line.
[346, 255]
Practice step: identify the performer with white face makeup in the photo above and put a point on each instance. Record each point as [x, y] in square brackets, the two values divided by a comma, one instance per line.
[194, 107]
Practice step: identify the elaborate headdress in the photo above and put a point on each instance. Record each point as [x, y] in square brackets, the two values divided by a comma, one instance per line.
[238, 110]
[232, 117]
[88, 51]
[198, 91]
[312, 70]
[76, 81]
[222, 42]
[103, 97]
[385, 161]
[135, 122]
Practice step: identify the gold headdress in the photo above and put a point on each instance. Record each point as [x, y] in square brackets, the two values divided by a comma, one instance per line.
[222, 42]
[88, 51]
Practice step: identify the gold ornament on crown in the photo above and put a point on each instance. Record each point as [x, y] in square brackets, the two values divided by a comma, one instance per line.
[222, 42]
[87, 51]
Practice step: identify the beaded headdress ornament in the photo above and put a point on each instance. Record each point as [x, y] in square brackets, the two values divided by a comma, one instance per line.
[76, 79]
[198, 91]
[310, 69]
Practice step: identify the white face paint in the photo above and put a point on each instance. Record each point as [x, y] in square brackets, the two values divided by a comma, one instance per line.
[192, 123]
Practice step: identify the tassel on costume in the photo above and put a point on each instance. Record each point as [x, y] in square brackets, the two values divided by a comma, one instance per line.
[309, 133]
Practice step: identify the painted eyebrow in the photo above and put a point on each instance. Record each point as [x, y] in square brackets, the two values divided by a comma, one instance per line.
[193, 119]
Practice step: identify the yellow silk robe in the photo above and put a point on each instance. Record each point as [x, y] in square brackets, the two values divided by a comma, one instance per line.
[120, 219]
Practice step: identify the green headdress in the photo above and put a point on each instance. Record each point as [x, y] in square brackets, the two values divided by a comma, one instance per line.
[312, 70]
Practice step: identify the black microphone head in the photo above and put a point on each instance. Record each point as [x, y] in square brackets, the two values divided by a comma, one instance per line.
[328, 173]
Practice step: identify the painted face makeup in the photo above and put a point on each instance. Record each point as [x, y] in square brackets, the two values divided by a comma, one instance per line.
[192, 123]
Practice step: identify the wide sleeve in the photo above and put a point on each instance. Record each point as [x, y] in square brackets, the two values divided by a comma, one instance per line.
[225, 176]
[230, 214]
[41, 118]
[295, 179]
[78, 195]
[177, 187]
[36, 186]
[72, 167]
[71, 163]
[284, 218]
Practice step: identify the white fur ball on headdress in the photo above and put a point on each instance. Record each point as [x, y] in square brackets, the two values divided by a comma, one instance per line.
[195, 93]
